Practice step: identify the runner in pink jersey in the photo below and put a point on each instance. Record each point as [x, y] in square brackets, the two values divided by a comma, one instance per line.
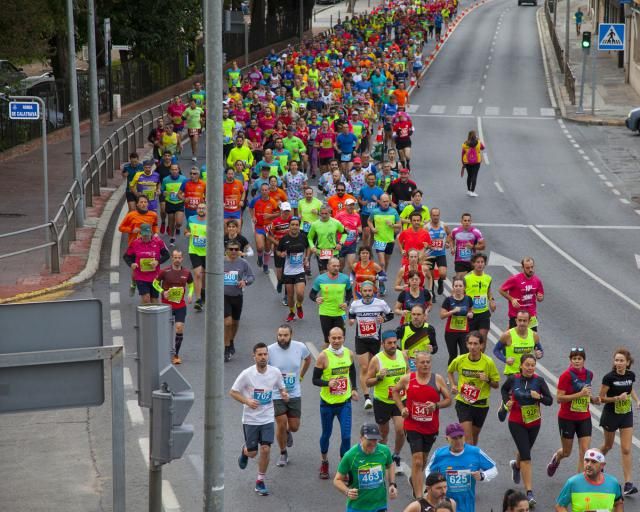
[350, 219]
[465, 241]
[523, 291]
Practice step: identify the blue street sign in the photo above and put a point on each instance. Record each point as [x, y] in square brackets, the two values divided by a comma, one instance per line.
[24, 110]
[611, 36]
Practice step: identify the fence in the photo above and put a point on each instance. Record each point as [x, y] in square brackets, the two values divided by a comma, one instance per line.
[569, 77]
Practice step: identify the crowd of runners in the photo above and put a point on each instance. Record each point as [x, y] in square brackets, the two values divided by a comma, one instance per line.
[318, 173]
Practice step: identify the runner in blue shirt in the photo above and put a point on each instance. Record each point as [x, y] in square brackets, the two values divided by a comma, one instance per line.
[368, 200]
[346, 142]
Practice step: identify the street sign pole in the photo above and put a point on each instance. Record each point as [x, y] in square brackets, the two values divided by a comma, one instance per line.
[594, 60]
[567, 29]
[94, 112]
[585, 53]
[45, 167]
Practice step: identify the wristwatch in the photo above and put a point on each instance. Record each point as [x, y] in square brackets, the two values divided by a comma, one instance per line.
[481, 476]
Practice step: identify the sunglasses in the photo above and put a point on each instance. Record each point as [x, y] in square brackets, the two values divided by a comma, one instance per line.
[194, 173]
[234, 249]
[577, 349]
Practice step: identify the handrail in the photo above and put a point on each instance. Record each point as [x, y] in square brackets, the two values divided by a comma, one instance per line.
[118, 140]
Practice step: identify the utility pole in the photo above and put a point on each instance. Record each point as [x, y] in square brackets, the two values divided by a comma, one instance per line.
[75, 114]
[94, 109]
[214, 314]
[567, 29]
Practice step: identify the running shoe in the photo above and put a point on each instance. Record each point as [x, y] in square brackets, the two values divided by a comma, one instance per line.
[629, 488]
[227, 355]
[285, 301]
[552, 466]
[440, 286]
[515, 472]
[261, 488]
[469, 193]
[283, 460]
[531, 499]
[324, 470]
[474, 194]
[289, 439]
[172, 242]
[194, 159]
[232, 348]
[243, 459]
[265, 269]
[132, 289]
[163, 229]
[397, 460]
[176, 359]
[299, 312]
[502, 412]
[291, 317]
[279, 287]
[368, 404]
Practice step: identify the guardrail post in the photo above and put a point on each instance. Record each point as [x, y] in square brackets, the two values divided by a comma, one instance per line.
[116, 151]
[102, 165]
[140, 131]
[126, 139]
[86, 186]
[95, 175]
[55, 248]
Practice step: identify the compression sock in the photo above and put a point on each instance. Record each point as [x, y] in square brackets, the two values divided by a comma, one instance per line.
[179, 338]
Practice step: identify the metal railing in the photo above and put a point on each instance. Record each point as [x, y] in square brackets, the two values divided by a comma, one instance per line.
[554, 36]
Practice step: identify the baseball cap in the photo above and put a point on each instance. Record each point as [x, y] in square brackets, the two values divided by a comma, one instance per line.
[285, 206]
[350, 201]
[148, 163]
[357, 160]
[370, 431]
[291, 128]
[145, 229]
[454, 430]
[404, 170]
[594, 454]
[389, 334]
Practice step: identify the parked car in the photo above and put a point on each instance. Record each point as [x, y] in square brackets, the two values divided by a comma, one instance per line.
[10, 74]
[633, 120]
[534, 2]
[324, 2]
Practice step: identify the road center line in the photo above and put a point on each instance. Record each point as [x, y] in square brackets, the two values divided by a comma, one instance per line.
[498, 187]
[313, 349]
[483, 140]
[135, 413]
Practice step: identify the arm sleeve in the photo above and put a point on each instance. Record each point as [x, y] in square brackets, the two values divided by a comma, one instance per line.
[499, 351]
[129, 258]
[313, 294]
[156, 285]
[353, 376]
[348, 294]
[538, 346]
[432, 339]
[164, 255]
[317, 378]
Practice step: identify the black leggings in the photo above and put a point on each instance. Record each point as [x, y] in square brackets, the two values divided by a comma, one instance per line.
[329, 322]
[472, 176]
[524, 438]
[456, 344]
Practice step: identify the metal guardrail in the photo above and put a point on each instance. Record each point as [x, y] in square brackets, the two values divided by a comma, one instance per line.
[569, 77]
[97, 169]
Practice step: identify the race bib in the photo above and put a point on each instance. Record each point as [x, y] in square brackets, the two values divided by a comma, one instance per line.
[173, 196]
[458, 323]
[289, 381]
[231, 278]
[437, 244]
[372, 205]
[379, 245]
[622, 406]
[470, 393]
[230, 203]
[175, 294]
[326, 144]
[341, 386]
[419, 412]
[306, 226]
[370, 478]
[351, 235]
[296, 259]
[150, 194]
[262, 396]
[530, 413]
[345, 157]
[325, 254]
[479, 302]
[200, 241]
[368, 327]
[580, 404]
[459, 481]
[464, 253]
[148, 264]
[412, 364]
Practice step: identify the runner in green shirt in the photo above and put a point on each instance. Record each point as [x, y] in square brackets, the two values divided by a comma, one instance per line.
[366, 472]
[193, 116]
[309, 209]
[294, 145]
[384, 223]
[324, 237]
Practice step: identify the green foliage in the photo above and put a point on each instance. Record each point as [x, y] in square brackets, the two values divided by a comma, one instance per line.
[25, 29]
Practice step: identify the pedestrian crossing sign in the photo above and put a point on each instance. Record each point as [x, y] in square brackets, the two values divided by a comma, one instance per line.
[611, 36]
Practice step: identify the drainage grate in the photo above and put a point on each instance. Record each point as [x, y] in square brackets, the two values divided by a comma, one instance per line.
[12, 215]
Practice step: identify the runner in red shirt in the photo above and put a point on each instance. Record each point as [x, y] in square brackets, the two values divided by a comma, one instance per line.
[350, 219]
[425, 393]
[416, 237]
[278, 228]
[523, 291]
[263, 211]
[402, 131]
[233, 194]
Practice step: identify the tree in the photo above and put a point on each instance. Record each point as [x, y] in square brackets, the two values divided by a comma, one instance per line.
[25, 30]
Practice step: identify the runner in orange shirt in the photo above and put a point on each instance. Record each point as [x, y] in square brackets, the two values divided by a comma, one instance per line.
[263, 211]
[402, 95]
[195, 191]
[337, 201]
[275, 192]
[234, 196]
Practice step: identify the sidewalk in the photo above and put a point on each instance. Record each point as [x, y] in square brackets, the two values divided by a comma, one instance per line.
[613, 99]
[327, 16]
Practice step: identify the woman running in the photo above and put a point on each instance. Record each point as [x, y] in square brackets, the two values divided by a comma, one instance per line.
[616, 393]
[515, 501]
[402, 277]
[364, 269]
[413, 295]
[457, 310]
[574, 418]
[471, 159]
[522, 393]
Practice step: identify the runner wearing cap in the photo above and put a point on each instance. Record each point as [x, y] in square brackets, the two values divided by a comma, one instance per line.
[616, 393]
[574, 419]
[276, 230]
[425, 393]
[350, 219]
[592, 490]
[366, 474]
[463, 465]
[384, 222]
[293, 248]
[435, 495]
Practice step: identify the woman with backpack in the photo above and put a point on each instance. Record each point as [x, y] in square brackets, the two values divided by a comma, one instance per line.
[471, 159]
[574, 419]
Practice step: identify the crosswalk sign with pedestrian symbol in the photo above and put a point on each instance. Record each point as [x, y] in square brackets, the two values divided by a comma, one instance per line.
[611, 36]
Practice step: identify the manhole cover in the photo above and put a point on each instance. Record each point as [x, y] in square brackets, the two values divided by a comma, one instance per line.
[12, 215]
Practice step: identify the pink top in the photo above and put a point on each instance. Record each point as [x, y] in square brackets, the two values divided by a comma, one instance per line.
[524, 289]
[461, 237]
[145, 253]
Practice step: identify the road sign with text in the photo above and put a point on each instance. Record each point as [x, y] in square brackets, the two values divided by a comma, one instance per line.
[24, 110]
[611, 37]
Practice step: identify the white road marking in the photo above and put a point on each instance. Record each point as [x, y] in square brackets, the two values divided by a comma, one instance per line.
[437, 109]
[273, 278]
[169, 500]
[602, 177]
[498, 187]
[313, 349]
[596, 170]
[198, 464]
[117, 239]
[581, 151]
[482, 87]
[465, 110]
[480, 100]
[624, 201]
[114, 298]
[519, 111]
[412, 109]
[637, 260]
[608, 184]
[128, 381]
[481, 134]
[519, 119]
[591, 164]
[584, 269]
[545, 111]
[498, 260]
[116, 320]
[586, 157]
[637, 211]
[577, 146]
[492, 111]
[616, 192]
[143, 443]
[487, 66]
[135, 413]
[484, 77]
[119, 341]
[566, 132]
[114, 278]
[566, 226]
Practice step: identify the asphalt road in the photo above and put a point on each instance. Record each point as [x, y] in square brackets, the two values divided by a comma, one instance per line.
[539, 195]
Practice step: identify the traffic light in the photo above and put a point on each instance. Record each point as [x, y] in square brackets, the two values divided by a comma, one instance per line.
[586, 40]
[170, 406]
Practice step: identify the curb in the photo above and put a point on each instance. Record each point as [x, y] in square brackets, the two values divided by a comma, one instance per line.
[554, 89]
